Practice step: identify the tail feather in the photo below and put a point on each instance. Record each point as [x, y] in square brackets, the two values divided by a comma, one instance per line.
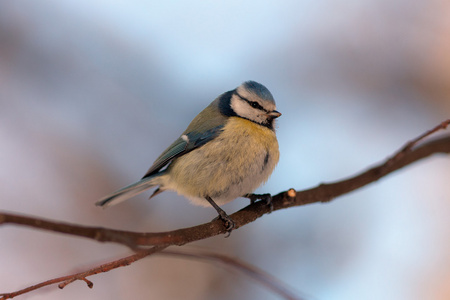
[126, 192]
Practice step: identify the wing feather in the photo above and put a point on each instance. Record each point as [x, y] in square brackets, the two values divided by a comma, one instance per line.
[184, 144]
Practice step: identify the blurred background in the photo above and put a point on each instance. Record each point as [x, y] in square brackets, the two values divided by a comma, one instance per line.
[92, 91]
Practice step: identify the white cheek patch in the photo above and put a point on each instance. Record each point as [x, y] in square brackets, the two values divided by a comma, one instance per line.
[241, 108]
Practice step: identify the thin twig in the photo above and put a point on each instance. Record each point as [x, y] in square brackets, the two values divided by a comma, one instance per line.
[409, 145]
[66, 280]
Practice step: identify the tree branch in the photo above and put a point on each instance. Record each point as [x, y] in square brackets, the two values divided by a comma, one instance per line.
[323, 193]
[260, 276]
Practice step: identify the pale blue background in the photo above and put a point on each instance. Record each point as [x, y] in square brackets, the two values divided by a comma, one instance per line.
[92, 91]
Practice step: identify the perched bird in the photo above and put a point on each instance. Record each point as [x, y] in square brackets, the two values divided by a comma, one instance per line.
[226, 152]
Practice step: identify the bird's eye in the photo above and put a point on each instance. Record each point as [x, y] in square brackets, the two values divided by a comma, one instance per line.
[255, 104]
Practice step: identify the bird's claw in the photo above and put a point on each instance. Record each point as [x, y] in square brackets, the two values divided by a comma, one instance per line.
[227, 221]
[229, 225]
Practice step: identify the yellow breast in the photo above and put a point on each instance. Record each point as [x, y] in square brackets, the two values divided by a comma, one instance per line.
[260, 135]
[233, 164]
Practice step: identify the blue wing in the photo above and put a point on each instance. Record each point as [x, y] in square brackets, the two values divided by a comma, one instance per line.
[184, 144]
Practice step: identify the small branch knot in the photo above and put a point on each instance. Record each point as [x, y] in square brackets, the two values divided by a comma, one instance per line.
[291, 193]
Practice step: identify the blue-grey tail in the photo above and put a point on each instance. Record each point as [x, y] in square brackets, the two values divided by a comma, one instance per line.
[127, 192]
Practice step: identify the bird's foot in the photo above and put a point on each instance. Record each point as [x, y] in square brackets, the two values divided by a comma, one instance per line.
[227, 220]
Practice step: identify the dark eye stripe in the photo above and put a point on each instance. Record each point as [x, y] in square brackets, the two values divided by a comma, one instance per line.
[253, 104]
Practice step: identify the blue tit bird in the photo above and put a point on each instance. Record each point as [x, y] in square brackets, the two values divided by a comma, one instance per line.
[227, 151]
